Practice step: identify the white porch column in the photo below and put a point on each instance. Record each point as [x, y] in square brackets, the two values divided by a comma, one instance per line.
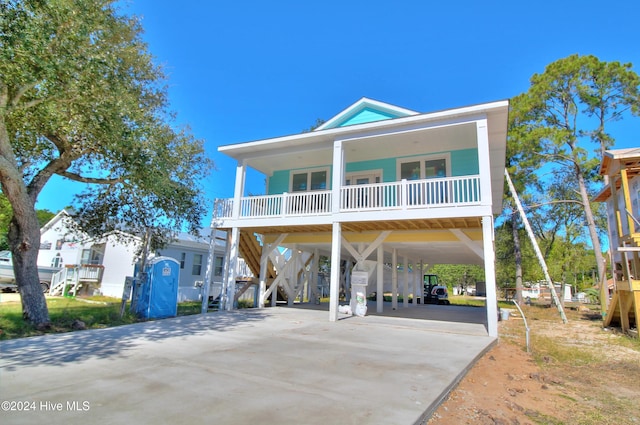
[380, 280]
[241, 172]
[484, 162]
[405, 284]
[337, 176]
[264, 260]
[314, 296]
[416, 283]
[490, 275]
[206, 285]
[394, 279]
[334, 289]
[229, 288]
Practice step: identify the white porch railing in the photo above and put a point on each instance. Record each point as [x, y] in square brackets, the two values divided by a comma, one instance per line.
[426, 193]
[73, 276]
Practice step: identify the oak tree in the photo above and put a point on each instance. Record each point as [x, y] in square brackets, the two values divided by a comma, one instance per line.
[81, 98]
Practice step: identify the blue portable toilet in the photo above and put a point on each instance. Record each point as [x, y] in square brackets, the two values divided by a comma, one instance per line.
[157, 297]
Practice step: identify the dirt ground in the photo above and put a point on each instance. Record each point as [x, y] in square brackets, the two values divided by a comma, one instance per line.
[575, 373]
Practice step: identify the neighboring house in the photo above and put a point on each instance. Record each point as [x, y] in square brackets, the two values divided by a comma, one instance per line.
[61, 246]
[622, 196]
[192, 252]
[376, 184]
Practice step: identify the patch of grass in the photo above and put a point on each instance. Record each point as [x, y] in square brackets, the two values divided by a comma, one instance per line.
[553, 350]
[95, 312]
[62, 314]
[188, 308]
[245, 304]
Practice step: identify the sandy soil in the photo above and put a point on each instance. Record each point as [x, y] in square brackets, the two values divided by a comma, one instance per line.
[576, 373]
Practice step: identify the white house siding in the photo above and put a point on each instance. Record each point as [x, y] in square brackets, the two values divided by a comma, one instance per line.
[118, 262]
[190, 280]
[187, 289]
[54, 241]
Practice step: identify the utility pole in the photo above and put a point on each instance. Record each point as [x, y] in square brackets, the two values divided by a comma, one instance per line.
[543, 264]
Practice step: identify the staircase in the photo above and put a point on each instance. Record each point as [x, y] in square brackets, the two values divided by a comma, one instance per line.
[624, 305]
[251, 251]
[73, 276]
[67, 277]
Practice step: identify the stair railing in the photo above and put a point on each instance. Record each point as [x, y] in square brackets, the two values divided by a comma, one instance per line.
[58, 281]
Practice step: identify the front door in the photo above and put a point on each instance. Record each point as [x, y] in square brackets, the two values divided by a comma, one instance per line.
[362, 197]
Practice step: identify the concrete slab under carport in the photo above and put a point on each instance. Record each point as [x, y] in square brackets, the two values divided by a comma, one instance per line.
[269, 366]
[466, 319]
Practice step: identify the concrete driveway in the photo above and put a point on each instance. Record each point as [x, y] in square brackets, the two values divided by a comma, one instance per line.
[270, 366]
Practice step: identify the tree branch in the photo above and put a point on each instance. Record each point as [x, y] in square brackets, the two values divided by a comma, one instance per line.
[21, 91]
[83, 179]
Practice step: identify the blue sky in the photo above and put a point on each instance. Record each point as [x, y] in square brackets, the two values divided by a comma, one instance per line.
[244, 70]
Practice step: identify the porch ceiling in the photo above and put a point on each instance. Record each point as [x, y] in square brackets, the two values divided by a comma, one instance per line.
[431, 250]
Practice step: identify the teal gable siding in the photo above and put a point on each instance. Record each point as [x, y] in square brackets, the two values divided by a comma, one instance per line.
[366, 115]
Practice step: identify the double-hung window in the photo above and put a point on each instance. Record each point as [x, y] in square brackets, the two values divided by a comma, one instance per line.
[425, 168]
[309, 180]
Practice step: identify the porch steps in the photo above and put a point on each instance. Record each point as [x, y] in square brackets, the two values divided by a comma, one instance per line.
[67, 277]
[624, 305]
[251, 251]
[74, 277]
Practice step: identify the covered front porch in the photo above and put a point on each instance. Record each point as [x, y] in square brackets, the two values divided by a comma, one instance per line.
[395, 197]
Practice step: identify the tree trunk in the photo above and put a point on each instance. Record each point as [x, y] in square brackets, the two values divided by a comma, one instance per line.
[591, 224]
[517, 252]
[24, 241]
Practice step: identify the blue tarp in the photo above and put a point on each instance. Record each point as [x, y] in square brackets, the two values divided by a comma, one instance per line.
[158, 293]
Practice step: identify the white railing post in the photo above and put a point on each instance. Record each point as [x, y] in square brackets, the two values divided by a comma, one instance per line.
[285, 204]
[404, 194]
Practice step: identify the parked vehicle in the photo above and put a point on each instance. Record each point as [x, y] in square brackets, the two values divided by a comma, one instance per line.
[433, 292]
[8, 280]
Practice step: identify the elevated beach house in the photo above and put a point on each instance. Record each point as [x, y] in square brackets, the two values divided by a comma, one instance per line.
[377, 186]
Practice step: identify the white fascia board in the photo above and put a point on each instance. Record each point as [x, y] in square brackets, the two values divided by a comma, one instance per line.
[242, 150]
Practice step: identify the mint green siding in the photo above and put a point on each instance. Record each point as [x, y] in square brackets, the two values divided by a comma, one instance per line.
[387, 165]
[278, 182]
[463, 162]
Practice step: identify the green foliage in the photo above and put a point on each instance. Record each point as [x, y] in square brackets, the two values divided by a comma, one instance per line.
[245, 304]
[318, 123]
[5, 218]
[6, 213]
[551, 128]
[567, 260]
[81, 98]
[457, 275]
[44, 216]
[593, 294]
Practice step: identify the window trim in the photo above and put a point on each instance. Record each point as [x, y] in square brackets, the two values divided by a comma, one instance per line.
[309, 172]
[422, 159]
[194, 265]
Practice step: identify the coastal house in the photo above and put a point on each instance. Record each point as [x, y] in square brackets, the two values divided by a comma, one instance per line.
[102, 264]
[375, 186]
